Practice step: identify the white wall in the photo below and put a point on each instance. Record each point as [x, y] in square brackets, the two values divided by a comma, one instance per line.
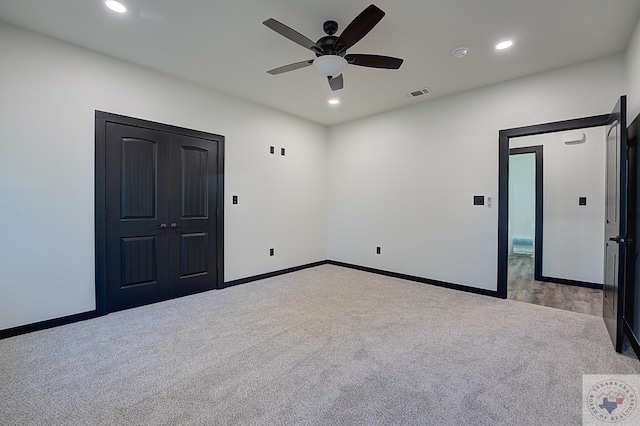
[572, 235]
[405, 180]
[522, 197]
[402, 180]
[49, 91]
[633, 75]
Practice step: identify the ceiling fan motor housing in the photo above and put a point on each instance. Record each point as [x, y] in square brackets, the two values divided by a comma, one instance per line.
[327, 44]
[330, 27]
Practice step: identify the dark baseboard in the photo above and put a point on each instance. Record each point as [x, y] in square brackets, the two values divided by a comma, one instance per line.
[417, 279]
[272, 274]
[43, 325]
[570, 282]
[632, 338]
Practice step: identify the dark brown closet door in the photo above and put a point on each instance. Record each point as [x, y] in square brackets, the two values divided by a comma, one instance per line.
[161, 215]
[137, 180]
[192, 214]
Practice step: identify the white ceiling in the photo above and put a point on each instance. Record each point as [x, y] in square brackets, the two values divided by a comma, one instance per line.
[223, 44]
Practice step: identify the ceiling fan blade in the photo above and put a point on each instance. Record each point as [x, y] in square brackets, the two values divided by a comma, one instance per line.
[336, 83]
[359, 28]
[290, 67]
[292, 34]
[374, 61]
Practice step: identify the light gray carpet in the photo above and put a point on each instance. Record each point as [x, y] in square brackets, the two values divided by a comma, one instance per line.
[326, 345]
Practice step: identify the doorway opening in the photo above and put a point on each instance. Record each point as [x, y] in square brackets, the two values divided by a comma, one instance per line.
[526, 282]
[526, 271]
[526, 205]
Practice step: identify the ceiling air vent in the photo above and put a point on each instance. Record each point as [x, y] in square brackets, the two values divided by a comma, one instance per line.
[418, 92]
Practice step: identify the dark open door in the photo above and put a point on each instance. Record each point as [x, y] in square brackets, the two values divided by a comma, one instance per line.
[615, 222]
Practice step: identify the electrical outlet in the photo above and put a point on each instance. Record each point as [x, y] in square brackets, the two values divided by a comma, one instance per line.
[235, 199]
[271, 252]
[378, 251]
[282, 151]
[272, 149]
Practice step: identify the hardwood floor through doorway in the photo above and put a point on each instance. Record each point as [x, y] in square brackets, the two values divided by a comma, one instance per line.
[522, 287]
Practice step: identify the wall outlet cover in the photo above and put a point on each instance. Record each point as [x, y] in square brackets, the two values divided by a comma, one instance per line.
[478, 200]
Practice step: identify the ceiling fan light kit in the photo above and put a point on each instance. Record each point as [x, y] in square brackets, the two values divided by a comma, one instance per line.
[331, 51]
[330, 65]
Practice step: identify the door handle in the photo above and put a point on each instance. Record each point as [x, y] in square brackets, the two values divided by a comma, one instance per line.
[175, 226]
[621, 240]
[162, 226]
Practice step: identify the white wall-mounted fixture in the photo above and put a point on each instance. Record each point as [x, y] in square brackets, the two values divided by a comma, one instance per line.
[574, 138]
[330, 65]
[460, 52]
[116, 6]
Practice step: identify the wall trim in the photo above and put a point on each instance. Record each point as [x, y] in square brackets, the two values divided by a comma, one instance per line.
[422, 280]
[635, 344]
[43, 325]
[273, 274]
[574, 283]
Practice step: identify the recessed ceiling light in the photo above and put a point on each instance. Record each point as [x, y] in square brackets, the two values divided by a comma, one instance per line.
[116, 6]
[460, 52]
[334, 101]
[504, 45]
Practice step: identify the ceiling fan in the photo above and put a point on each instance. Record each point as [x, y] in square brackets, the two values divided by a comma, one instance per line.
[331, 50]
